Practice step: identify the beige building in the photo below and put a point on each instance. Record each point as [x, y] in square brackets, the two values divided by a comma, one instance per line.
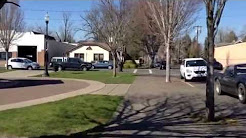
[231, 54]
[91, 51]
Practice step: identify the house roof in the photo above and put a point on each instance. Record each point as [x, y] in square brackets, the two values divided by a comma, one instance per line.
[90, 43]
[47, 36]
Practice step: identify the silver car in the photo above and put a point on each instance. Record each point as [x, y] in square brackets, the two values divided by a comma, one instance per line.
[22, 63]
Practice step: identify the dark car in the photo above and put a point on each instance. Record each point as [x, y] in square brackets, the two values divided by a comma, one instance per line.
[162, 65]
[217, 65]
[232, 80]
[102, 64]
[72, 63]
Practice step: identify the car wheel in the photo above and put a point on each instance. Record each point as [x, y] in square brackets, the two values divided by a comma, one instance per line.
[241, 93]
[60, 68]
[92, 67]
[181, 77]
[10, 67]
[110, 67]
[84, 68]
[217, 87]
[29, 68]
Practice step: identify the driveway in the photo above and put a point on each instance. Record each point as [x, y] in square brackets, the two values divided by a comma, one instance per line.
[158, 109]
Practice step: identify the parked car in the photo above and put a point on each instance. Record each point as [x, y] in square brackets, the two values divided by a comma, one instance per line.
[232, 80]
[162, 65]
[217, 65]
[192, 68]
[102, 64]
[71, 63]
[57, 59]
[22, 63]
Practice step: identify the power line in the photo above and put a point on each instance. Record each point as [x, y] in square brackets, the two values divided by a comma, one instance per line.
[40, 10]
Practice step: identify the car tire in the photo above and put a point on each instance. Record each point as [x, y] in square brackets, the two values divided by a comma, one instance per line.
[181, 77]
[217, 87]
[29, 68]
[10, 67]
[60, 68]
[241, 93]
[84, 68]
[110, 67]
[92, 67]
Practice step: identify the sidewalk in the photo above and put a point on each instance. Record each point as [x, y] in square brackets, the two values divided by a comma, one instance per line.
[153, 108]
[114, 89]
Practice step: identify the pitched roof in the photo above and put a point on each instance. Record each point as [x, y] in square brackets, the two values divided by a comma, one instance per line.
[90, 43]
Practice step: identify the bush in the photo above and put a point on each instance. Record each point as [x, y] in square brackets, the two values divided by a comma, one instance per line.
[129, 64]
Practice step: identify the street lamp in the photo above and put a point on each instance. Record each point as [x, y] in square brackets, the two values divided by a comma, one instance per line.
[46, 73]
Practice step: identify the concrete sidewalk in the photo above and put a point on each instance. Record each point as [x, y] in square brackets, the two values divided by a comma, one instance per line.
[153, 108]
[114, 89]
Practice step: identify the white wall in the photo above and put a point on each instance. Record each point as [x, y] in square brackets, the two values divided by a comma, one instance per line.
[29, 39]
[89, 54]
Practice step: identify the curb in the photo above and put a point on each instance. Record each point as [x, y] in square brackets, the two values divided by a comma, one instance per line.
[93, 86]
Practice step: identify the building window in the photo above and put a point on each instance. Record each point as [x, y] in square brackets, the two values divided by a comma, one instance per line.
[98, 57]
[80, 55]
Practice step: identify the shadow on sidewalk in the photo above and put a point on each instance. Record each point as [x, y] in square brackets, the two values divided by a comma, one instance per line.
[7, 83]
[176, 116]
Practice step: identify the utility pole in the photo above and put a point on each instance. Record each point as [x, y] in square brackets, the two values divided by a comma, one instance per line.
[198, 32]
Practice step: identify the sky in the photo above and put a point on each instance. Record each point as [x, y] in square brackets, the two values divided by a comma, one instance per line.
[234, 16]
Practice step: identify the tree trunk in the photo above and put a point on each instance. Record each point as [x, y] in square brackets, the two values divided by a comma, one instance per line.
[167, 62]
[7, 59]
[114, 68]
[210, 71]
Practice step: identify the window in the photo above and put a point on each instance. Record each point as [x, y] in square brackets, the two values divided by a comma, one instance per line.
[194, 63]
[98, 57]
[229, 71]
[79, 55]
[59, 60]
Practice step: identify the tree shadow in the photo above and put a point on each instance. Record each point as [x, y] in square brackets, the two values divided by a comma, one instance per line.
[18, 83]
[172, 116]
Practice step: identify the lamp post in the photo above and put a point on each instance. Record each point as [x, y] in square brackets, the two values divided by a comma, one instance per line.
[46, 73]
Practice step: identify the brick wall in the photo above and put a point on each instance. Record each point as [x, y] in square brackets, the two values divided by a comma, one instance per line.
[41, 58]
[14, 54]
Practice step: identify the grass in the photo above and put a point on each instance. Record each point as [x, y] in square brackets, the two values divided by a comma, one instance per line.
[2, 70]
[101, 76]
[59, 118]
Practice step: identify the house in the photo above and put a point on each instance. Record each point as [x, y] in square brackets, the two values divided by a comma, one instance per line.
[91, 51]
[231, 54]
[31, 45]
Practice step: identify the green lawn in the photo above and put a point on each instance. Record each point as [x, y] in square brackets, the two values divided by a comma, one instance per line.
[101, 76]
[59, 118]
[2, 70]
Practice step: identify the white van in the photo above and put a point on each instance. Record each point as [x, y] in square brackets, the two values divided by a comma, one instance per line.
[192, 68]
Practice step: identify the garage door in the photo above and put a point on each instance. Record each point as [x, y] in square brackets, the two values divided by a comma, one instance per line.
[29, 52]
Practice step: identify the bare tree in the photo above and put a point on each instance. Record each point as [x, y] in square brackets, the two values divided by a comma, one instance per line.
[172, 17]
[225, 36]
[3, 2]
[108, 22]
[214, 9]
[66, 32]
[11, 27]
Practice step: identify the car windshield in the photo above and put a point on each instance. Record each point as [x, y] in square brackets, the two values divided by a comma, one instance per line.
[241, 69]
[195, 63]
[28, 61]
